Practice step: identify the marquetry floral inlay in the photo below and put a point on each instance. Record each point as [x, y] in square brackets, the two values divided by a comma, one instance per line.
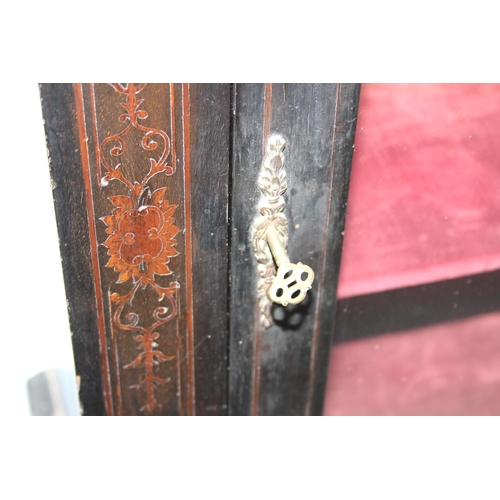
[141, 238]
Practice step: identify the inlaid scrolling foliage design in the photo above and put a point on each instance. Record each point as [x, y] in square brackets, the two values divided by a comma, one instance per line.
[141, 238]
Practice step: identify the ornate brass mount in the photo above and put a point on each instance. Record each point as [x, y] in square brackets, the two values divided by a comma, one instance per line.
[288, 284]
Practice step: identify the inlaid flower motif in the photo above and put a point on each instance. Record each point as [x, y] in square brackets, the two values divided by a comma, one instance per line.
[142, 238]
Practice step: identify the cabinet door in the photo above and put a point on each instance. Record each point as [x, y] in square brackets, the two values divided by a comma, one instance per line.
[155, 191]
[281, 369]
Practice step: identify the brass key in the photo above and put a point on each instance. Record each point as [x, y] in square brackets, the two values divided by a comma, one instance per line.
[292, 281]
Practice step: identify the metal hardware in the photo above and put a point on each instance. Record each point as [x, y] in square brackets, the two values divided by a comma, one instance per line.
[288, 284]
[292, 281]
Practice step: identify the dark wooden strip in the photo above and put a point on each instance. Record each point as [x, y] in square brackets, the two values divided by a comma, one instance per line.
[61, 129]
[82, 133]
[209, 117]
[321, 283]
[345, 128]
[249, 102]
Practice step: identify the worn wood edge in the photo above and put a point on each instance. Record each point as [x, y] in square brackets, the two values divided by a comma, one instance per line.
[247, 156]
[64, 156]
[345, 130]
[210, 137]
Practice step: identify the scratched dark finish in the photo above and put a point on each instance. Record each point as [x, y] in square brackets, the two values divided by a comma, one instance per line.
[248, 102]
[210, 140]
[282, 370]
[61, 129]
[218, 131]
[196, 119]
[344, 134]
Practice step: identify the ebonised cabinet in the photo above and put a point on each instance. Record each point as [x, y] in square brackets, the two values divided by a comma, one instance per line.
[156, 192]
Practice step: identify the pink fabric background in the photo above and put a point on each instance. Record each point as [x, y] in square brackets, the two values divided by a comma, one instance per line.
[448, 369]
[424, 200]
[424, 206]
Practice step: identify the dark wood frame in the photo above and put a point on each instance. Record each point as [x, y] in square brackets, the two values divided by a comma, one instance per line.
[240, 369]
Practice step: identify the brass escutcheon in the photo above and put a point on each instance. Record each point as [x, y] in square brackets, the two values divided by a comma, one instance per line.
[279, 280]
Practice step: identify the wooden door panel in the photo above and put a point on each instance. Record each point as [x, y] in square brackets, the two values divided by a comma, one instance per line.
[141, 193]
[281, 370]
[155, 191]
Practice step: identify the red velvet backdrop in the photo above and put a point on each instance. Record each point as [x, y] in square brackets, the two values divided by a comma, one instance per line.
[424, 206]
